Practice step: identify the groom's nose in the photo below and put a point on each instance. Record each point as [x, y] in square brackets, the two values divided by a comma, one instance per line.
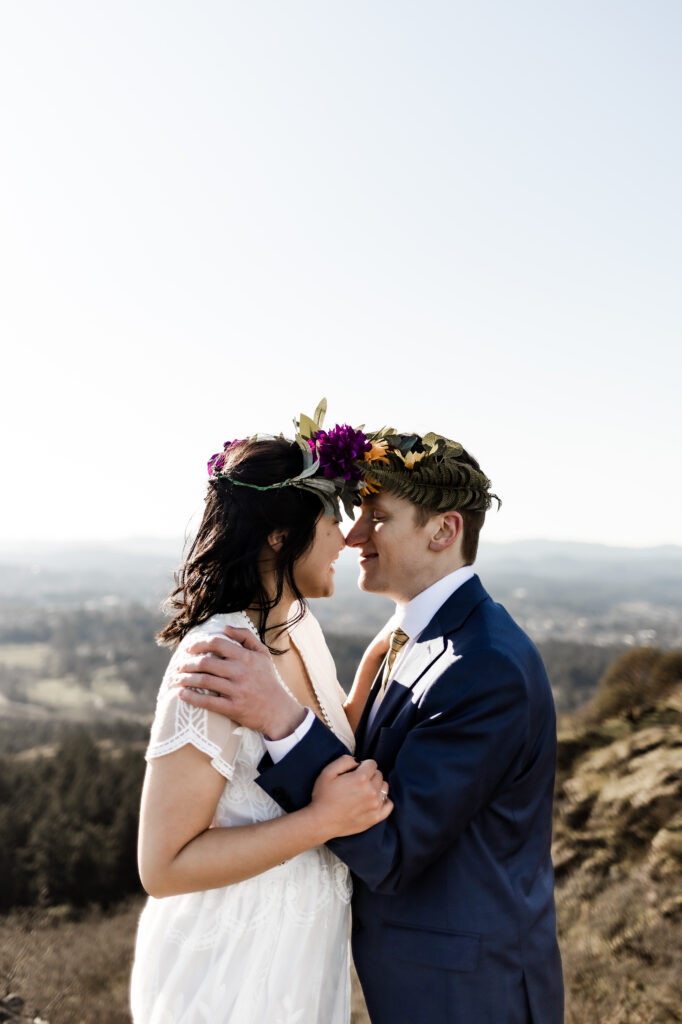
[357, 534]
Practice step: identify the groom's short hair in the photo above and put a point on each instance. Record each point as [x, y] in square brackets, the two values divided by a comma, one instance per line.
[472, 519]
[472, 523]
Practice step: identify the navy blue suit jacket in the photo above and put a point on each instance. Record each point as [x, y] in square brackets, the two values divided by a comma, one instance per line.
[453, 905]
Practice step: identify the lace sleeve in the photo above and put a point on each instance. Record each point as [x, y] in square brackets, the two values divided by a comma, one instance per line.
[177, 723]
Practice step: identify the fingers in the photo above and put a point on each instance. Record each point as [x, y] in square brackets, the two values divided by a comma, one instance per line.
[222, 656]
[223, 647]
[371, 779]
[340, 766]
[385, 811]
[245, 637]
[211, 664]
[209, 701]
[368, 769]
[207, 675]
[350, 798]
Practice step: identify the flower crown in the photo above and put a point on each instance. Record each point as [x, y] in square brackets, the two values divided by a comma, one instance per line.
[331, 463]
[344, 464]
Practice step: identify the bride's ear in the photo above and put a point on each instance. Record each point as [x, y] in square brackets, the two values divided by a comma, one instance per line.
[276, 539]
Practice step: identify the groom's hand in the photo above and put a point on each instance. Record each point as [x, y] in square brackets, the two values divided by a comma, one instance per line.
[238, 670]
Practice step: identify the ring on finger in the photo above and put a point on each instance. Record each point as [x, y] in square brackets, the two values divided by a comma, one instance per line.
[384, 794]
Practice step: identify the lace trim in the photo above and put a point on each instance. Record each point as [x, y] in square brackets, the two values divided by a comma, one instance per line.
[191, 727]
[200, 742]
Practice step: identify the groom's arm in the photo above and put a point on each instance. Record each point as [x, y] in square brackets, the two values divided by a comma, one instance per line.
[470, 733]
[449, 765]
[290, 780]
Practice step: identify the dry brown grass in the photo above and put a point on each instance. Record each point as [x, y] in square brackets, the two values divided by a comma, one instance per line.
[620, 946]
[76, 970]
[622, 965]
[70, 971]
[358, 1010]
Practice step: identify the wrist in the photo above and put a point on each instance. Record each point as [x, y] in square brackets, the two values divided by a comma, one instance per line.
[286, 721]
[319, 830]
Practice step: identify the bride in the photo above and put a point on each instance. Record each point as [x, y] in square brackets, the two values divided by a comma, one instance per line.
[247, 919]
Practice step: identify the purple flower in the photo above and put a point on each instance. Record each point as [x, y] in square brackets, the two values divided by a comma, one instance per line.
[339, 449]
[217, 461]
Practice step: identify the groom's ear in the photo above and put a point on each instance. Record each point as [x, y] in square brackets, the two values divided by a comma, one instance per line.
[276, 539]
[448, 527]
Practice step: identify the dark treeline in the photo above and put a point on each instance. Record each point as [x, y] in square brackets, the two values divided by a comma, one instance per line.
[68, 815]
[68, 825]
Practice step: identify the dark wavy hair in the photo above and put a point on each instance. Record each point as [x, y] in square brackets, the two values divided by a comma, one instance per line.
[220, 572]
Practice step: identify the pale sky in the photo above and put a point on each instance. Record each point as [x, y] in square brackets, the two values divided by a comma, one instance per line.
[461, 217]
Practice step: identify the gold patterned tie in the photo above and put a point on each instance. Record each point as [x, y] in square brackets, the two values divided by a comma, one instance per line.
[398, 640]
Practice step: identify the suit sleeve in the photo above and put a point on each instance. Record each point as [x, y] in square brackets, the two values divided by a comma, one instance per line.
[290, 781]
[469, 737]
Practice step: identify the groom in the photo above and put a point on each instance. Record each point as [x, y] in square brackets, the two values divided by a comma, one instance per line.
[453, 905]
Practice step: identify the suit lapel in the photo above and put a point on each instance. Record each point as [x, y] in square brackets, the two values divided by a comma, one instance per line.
[451, 616]
[430, 646]
[415, 663]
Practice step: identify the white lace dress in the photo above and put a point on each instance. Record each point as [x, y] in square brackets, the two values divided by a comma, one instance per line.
[274, 948]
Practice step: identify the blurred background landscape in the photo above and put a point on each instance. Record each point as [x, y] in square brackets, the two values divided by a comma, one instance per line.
[451, 216]
[79, 671]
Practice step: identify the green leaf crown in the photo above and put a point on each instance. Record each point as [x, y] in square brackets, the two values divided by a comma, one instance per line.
[343, 465]
[432, 471]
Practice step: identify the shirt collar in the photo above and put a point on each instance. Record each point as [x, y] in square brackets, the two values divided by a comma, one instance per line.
[415, 616]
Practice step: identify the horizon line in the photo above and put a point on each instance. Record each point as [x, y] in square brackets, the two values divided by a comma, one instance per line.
[141, 539]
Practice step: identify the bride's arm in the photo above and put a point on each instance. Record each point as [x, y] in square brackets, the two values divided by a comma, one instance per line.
[179, 852]
[365, 675]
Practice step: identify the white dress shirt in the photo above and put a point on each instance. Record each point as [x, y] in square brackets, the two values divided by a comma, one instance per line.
[413, 618]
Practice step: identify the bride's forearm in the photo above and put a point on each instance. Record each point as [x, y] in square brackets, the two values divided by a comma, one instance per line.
[362, 684]
[179, 852]
[223, 856]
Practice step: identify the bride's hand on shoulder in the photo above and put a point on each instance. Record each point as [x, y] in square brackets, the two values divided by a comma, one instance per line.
[349, 797]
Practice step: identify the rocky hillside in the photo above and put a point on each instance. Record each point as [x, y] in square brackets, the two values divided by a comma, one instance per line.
[618, 846]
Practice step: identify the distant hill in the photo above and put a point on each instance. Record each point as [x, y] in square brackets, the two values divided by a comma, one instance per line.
[567, 590]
